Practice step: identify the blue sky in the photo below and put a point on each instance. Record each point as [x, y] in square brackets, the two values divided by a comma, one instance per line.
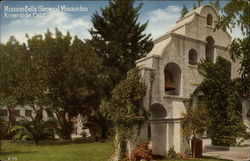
[161, 15]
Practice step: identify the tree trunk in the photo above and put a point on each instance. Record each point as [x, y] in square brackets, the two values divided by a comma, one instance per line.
[194, 146]
[11, 116]
[104, 133]
[36, 142]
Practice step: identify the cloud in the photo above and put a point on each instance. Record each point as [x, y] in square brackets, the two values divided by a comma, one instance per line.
[236, 32]
[63, 21]
[162, 20]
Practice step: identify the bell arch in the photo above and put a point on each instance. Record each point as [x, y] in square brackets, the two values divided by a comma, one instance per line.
[158, 111]
[209, 49]
[172, 75]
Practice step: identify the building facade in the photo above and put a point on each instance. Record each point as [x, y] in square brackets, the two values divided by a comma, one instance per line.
[171, 75]
[14, 115]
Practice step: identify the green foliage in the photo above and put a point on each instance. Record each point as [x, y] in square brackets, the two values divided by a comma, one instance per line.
[222, 102]
[3, 128]
[52, 71]
[3, 131]
[184, 11]
[98, 151]
[100, 121]
[172, 154]
[127, 97]
[35, 129]
[240, 49]
[73, 78]
[12, 54]
[195, 120]
[194, 6]
[236, 13]
[119, 39]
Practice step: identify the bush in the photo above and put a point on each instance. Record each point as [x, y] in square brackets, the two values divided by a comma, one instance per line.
[172, 153]
[139, 153]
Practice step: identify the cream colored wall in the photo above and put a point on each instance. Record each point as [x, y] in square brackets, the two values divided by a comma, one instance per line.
[189, 33]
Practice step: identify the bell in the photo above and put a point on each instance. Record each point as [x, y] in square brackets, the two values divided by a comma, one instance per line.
[169, 83]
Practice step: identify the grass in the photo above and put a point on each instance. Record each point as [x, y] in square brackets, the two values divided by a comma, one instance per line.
[197, 159]
[99, 151]
[71, 152]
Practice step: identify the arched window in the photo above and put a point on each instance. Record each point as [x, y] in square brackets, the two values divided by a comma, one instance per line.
[172, 73]
[158, 111]
[192, 57]
[209, 20]
[210, 49]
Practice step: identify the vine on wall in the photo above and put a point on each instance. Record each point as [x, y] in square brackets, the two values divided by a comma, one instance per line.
[127, 98]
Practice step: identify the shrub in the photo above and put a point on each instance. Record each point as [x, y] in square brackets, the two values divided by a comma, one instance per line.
[140, 152]
[172, 153]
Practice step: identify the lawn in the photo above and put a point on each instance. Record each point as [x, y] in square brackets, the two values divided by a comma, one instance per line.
[71, 152]
[99, 151]
[197, 159]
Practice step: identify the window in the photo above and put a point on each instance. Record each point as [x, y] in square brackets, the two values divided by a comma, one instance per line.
[209, 20]
[3, 112]
[209, 49]
[192, 57]
[28, 113]
[17, 112]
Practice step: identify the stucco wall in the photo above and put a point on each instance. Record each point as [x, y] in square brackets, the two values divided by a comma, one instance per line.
[189, 33]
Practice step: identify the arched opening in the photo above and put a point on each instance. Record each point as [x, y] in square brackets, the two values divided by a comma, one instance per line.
[172, 74]
[209, 20]
[158, 111]
[158, 130]
[192, 57]
[210, 49]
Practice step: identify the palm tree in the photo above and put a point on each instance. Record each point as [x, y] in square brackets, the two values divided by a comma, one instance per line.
[35, 130]
[100, 122]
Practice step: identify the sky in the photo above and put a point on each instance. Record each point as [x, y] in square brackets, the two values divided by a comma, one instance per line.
[38, 16]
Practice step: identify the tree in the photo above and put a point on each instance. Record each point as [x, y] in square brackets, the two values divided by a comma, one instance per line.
[11, 75]
[119, 39]
[184, 11]
[127, 97]
[236, 13]
[195, 121]
[194, 6]
[222, 102]
[72, 76]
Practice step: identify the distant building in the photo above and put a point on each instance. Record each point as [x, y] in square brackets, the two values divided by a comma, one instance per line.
[14, 115]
